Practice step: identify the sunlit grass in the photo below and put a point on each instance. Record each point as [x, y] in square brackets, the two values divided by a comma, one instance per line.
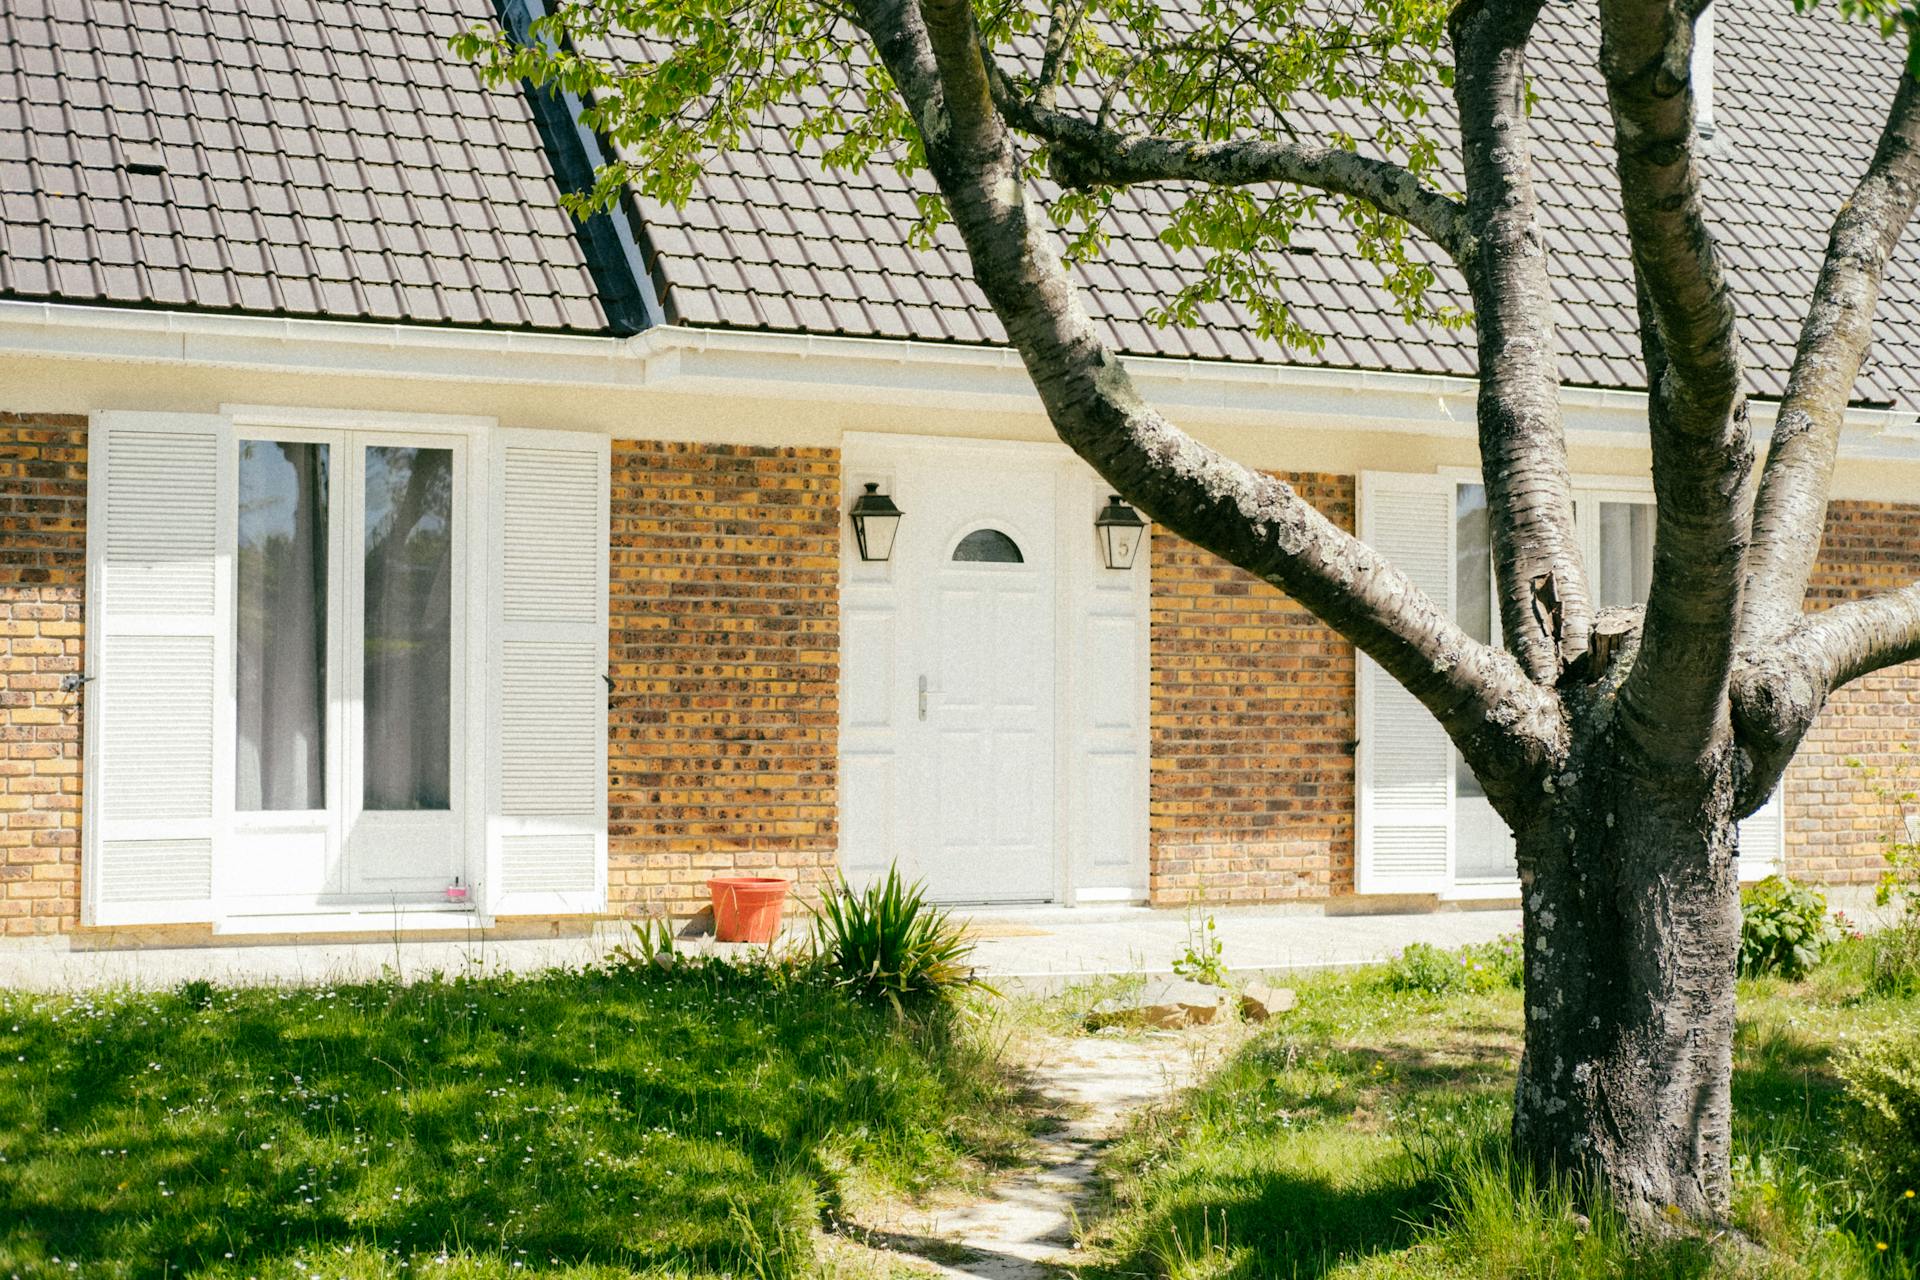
[1363, 1137]
[581, 1124]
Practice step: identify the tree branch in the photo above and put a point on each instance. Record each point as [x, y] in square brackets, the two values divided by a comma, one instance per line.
[1084, 153]
[1780, 689]
[1646, 54]
[1792, 508]
[1499, 718]
[1674, 701]
[1545, 606]
[1063, 24]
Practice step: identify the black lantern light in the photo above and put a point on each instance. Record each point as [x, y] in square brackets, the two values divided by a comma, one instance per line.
[1120, 528]
[875, 521]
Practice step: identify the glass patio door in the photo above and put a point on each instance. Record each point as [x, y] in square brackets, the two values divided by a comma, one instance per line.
[1616, 531]
[349, 671]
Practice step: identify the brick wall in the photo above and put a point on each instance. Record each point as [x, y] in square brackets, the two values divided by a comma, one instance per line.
[725, 659]
[1835, 824]
[43, 502]
[1252, 720]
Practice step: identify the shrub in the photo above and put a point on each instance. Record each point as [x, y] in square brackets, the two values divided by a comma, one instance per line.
[1424, 969]
[1882, 1077]
[887, 939]
[1784, 928]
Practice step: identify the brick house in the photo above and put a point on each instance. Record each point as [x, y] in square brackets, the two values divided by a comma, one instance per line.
[368, 526]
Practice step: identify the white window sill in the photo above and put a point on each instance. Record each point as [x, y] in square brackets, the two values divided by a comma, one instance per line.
[406, 920]
[1482, 891]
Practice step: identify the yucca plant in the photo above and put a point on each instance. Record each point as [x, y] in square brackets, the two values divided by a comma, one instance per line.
[887, 939]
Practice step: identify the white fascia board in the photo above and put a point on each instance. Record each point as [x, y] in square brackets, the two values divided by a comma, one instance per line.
[919, 374]
[286, 345]
[896, 373]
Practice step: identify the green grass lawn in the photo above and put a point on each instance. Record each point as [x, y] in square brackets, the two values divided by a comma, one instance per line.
[1362, 1137]
[694, 1123]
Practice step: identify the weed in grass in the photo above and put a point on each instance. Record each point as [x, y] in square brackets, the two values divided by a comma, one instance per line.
[1784, 928]
[1424, 969]
[1203, 960]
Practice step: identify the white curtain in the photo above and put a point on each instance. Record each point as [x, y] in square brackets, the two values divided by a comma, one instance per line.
[282, 626]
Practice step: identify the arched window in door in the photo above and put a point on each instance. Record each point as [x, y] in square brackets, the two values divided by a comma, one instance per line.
[988, 546]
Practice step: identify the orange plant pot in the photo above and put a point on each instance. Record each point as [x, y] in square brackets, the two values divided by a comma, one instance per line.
[747, 908]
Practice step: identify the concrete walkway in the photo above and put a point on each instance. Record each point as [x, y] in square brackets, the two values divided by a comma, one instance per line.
[1026, 949]
[1025, 1227]
[1051, 948]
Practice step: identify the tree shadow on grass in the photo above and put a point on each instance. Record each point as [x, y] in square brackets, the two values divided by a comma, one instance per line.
[1272, 1222]
[645, 1122]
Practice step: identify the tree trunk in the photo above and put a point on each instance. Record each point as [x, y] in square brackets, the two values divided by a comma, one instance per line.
[1631, 878]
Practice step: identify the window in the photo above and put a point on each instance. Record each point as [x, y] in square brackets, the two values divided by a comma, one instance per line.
[989, 546]
[1616, 535]
[346, 596]
[409, 621]
[281, 627]
[1626, 553]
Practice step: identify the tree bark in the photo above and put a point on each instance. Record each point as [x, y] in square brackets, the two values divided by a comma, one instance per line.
[1632, 932]
[1676, 698]
[1083, 153]
[1545, 608]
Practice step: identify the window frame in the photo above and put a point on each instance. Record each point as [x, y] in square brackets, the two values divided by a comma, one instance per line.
[470, 438]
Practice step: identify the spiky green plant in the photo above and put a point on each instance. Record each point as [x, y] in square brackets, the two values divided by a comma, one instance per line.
[887, 939]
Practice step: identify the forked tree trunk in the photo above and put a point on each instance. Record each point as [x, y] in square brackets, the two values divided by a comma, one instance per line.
[1622, 792]
[1631, 886]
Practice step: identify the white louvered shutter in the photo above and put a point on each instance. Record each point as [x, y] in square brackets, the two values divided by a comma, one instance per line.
[547, 811]
[159, 636]
[1763, 838]
[1405, 761]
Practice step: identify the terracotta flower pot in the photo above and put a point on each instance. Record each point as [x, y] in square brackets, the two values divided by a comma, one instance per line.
[747, 908]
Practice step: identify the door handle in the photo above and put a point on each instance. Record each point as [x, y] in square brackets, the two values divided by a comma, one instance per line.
[923, 697]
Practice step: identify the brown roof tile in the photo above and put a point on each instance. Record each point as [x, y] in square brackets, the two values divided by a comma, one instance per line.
[248, 101]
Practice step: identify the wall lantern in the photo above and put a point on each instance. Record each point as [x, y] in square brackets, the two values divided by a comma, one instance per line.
[1120, 528]
[875, 521]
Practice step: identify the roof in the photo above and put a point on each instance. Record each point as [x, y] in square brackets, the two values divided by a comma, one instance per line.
[773, 240]
[334, 158]
[327, 158]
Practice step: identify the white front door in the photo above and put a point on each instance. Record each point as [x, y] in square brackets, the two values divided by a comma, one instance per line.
[993, 679]
[983, 736]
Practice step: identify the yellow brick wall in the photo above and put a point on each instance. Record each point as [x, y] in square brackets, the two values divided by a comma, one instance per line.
[1835, 825]
[723, 727]
[1253, 723]
[724, 737]
[43, 500]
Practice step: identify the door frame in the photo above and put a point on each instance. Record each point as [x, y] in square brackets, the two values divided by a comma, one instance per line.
[470, 438]
[1101, 846]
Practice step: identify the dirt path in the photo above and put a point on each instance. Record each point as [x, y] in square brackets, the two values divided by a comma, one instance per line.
[1023, 1230]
